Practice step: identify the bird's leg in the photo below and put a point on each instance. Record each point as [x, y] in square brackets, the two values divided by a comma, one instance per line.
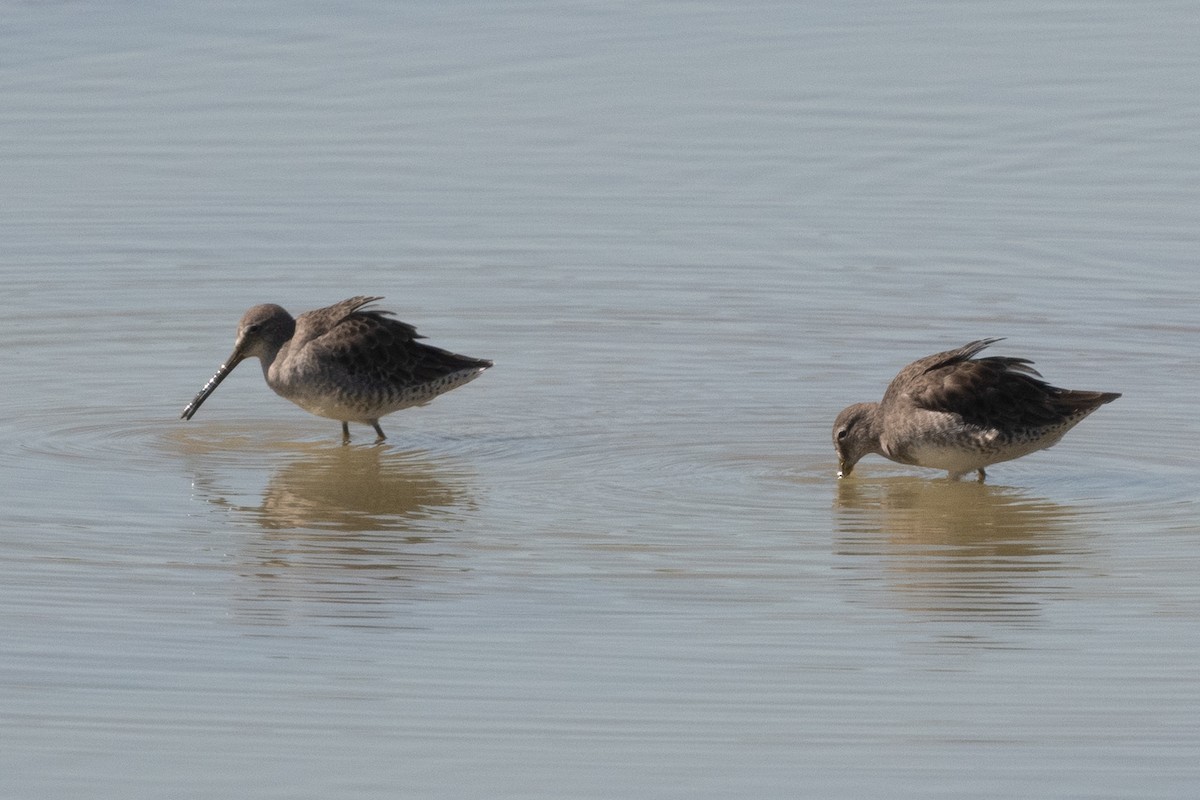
[378, 431]
[345, 432]
[981, 475]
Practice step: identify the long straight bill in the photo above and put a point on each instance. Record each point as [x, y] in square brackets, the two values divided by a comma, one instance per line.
[211, 386]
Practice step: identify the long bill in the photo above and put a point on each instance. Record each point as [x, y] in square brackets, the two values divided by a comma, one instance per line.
[234, 359]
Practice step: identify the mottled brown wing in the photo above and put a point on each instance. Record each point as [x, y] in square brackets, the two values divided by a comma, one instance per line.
[949, 358]
[374, 349]
[992, 392]
[317, 323]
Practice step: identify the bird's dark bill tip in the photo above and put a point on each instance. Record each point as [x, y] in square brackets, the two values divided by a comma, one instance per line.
[190, 410]
[210, 387]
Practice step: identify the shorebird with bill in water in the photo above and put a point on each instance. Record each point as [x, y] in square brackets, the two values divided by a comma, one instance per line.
[344, 362]
[959, 413]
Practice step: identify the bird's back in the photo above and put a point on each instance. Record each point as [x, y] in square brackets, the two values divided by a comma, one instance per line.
[994, 392]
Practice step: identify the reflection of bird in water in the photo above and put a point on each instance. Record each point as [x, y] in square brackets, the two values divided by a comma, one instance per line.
[353, 489]
[977, 518]
[333, 488]
[955, 412]
[337, 524]
[344, 362]
[343, 533]
[954, 546]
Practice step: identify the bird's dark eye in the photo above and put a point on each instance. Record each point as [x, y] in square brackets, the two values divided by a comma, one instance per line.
[841, 434]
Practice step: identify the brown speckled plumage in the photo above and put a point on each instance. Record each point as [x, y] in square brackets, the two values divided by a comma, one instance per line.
[956, 412]
[344, 362]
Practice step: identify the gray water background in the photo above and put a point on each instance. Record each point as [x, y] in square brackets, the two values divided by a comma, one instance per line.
[619, 564]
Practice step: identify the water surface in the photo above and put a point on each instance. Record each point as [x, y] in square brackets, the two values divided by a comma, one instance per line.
[619, 564]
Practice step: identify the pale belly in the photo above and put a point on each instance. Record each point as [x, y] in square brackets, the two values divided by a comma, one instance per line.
[968, 453]
[361, 404]
[331, 408]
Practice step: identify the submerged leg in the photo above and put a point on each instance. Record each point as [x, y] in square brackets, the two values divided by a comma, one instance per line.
[378, 430]
[345, 432]
[981, 475]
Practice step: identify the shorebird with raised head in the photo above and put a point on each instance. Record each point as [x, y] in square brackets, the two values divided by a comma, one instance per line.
[344, 362]
[959, 413]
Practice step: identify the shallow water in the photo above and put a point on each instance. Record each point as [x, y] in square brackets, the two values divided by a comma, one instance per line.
[619, 564]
